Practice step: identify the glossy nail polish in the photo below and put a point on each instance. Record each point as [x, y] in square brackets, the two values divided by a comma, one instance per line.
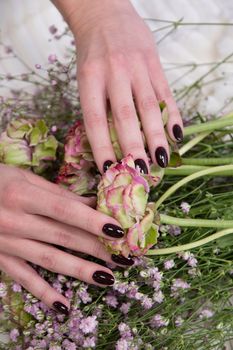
[61, 308]
[161, 157]
[177, 131]
[120, 259]
[142, 166]
[103, 277]
[107, 164]
[113, 230]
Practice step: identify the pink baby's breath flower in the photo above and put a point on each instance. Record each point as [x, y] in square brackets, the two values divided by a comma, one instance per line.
[111, 300]
[125, 308]
[54, 128]
[122, 344]
[155, 274]
[185, 207]
[159, 321]
[147, 302]
[3, 289]
[53, 82]
[169, 264]
[158, 297]
[38, 66]
[192, 261]
[88, 325]
[52, 58]
[53, 29]
[206, 313]
[178, 321]
[156, 285]
[177, 285]
[89, 342]
[14, 333]
[16, 287]
[174, 230]
[8, 49]
[125, 331]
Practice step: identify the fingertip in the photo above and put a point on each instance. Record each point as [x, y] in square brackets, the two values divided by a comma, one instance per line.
[62, 307]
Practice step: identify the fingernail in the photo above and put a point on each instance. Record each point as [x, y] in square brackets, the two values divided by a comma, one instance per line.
[120, 259]
[142, 166]
[177, 131]
[103, 277]
[113, 230]
[161, 157]
[88, 195]
[61, 308]
[107, 164]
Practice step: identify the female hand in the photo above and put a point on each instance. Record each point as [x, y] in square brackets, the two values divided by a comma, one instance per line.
[35, 215]
[118, 60]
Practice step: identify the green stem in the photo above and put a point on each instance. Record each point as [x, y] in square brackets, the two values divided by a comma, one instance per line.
[193, 142]
[209, 126]
[198, 138]
[179, 248]
[207, 161]
[208, 171]
[166, 219]
[185, 170]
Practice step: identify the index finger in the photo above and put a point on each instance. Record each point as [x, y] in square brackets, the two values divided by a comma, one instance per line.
[38, 201]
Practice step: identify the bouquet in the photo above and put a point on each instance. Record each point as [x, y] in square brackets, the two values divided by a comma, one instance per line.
[178, 225]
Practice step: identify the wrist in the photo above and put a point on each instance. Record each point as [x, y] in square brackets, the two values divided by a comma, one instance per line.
[84, 14]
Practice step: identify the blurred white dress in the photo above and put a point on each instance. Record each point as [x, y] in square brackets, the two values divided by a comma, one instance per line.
[24, 26]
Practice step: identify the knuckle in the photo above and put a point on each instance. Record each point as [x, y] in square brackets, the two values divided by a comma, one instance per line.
[43, 293]
[135, 145]
[88, 223]
[148, 103]
[7, 224]
[12, 193]
[24, 282]
[60, 210]
[97, 250]
[63, 238]
[47, 260]
[125, 113]
[89, 68]
[157, 135]
[165, 93]
[80, 271]
[117, 59]
[94, 120]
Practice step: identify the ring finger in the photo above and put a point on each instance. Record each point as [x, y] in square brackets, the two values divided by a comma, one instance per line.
[151, 118]
[56, 260]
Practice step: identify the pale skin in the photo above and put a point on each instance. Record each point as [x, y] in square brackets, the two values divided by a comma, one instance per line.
[117, 61]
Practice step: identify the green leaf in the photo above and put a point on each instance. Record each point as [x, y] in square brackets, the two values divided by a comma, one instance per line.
[175, 160]
[225, 242]
[151, 236]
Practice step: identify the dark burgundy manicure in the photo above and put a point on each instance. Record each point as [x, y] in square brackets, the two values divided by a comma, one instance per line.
[120, 259]
[61, 308]
[107, 164]
[113, 230]
[103, 277]
[142, 166]
[89, 195]
[177, 131]
[161, 157]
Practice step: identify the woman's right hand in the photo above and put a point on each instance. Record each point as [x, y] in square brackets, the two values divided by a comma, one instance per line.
[36, 215]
